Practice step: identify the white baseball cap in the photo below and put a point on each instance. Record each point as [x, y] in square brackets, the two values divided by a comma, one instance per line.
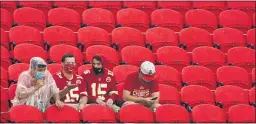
[148, 70]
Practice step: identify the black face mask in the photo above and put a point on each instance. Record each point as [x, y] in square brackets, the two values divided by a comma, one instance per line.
[97, 70]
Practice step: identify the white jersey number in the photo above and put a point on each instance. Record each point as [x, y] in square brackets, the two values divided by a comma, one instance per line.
[99, 91]
[73, 97]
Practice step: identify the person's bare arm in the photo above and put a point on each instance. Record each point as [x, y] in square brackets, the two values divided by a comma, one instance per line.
[155, 94]
[128, 97]
[82, 102]
[66, 90]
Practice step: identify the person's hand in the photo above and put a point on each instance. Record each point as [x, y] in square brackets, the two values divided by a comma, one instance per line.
[100, 102]
[109, 102]
[59, 104]
[71, 86]
[39, 83]
[148, 101]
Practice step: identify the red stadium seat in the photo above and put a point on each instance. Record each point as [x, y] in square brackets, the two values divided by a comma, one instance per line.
[179, 6]
[199, 75]
[112, 6]
[109, 53]
[226, 38]
[56, 52]
[206, 113]
[65, 17]
[26, 113]
[98, 113]
[30, 17]
[44, 6]
[146, 6]
[235, 19]
[158, 37]
[233, 75]
[83, 68]
[227, 96]
[6, 19]
[12, 90]
[126, 36]
[168, 75]
[89, 36]
[26, 49]
[4, 39]
[136, 113]
[58, 35]
[4, 100]
[98, 17]
[10, 6]
[246, 6]
[78, 6]
[121, 71]
[209, 57]
[54, 68]
[251, 38]
[173, 56]
[64, 115]
[252, 99]
[135, 55]
[242, 57]
[194, 95]
[15, 70]
[135, 18]
[254, 20]
[201, 18]
[253, 76]
[241, 114]
[169, 95]
[171, 114]
[4, 78]
[5, 60]
[216, 7]
[25, 34]
[168, 19]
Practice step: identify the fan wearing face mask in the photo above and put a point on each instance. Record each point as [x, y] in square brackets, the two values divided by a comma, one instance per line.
[73, 88]
[101, 84]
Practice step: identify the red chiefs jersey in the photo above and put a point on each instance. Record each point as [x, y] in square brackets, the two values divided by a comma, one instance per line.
[100, 86]
[138, 88]
[75, 93]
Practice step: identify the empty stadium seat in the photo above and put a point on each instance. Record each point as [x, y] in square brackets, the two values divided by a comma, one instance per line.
[198, 75]
[135, 55]
[5, 58]
[4, 100]
[5, 19]
[206, 113]
[227, 96]
[44, 6]
[89, 36]
[10, 6]
[136, 113]
[83, 68]
[15, 70]
[98, 17]
[171, 113]
[4, 39]
[30, 17]
[58, 51]
[167, 18]
[254, 20]
[233, 75]
[112, 6]
[235, 19]
[135, 18]
[168, 95]
[201, 18]
[190, 38]
[146, 6]
[23, 52]
[250, 37]
[12, 91]
[253, 76]
[246, 6]
[64, 115]
[78, 6]
[213, 6]
[158, 37]
[65, 17]
[173, 56]
[24, 34]
[252, 99]
[121, 71]
[209, 57]
[241, 113]
[54, 68]
[4, 78]
[98, 113]
[109, 53]
[194, 95]
[58, 35]
[242, 57]
[168, 75]
[180, 6]
[226, 38]
[25, 113]
[126, 36]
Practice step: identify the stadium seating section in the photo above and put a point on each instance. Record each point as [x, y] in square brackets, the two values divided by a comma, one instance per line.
[204, 52]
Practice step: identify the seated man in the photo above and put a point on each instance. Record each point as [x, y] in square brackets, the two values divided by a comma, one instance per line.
[139, 87]
[73, 88]
[101, 84]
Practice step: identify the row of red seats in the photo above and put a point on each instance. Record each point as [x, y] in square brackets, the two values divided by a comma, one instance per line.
[188, 38]
[129, 17]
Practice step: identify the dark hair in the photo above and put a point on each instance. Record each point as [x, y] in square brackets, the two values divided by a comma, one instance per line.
[67, 56]
[97, 57]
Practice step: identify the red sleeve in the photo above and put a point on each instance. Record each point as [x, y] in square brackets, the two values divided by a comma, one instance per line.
[113, 89]
[128, 82]
[155, 87]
